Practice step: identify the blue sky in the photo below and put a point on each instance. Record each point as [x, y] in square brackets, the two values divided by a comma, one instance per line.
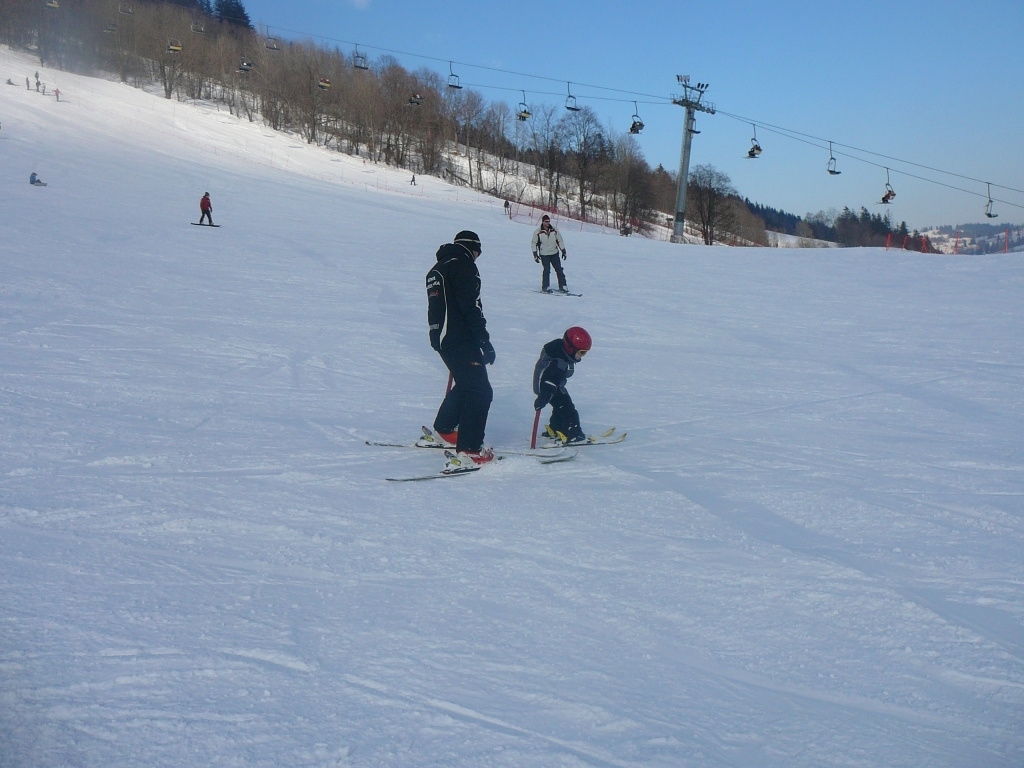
[934, 83]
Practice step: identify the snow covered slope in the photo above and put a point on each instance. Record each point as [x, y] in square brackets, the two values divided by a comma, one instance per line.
[807, 553]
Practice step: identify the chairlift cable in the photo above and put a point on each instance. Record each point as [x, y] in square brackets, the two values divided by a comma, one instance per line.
[793, 134]
[796, 136]
[661, 100]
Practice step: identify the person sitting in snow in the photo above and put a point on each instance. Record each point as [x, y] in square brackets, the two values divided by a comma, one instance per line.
[555, 365]
[35, 181]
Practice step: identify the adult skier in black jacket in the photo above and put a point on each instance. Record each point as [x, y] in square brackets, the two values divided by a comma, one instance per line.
[458, 332]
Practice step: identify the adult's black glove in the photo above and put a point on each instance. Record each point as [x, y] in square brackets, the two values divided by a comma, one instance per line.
[540, 402]
[536, 257]
[488, 351]
[565, 255]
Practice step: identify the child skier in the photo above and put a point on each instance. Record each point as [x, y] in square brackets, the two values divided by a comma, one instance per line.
[554, 366]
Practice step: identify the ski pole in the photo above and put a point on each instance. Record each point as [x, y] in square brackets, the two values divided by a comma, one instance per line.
[536, 421]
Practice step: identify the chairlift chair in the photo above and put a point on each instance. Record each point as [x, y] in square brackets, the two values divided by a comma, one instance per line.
[111, 27]
[755, 149]
[988, 206]
[890, 193]
[173, 46]
[453, 79]
[637, 124]
[570, 101]
[524, 111]
[52, 4]
[271, 44]
[359, 60]
[415, 99]
[832, 170]
[125, 9]
[244, 65]
[198, 27]
[323, 84]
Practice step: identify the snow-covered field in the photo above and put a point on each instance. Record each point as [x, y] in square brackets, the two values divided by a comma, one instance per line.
[808, 553]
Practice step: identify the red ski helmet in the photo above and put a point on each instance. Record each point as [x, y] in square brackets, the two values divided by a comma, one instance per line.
[576, 340]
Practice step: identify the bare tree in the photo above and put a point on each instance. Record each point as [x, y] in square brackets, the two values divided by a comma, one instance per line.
[471, 110]
[307, 83]
[707, 202]
[585, 142]
[749, 227]
[631, 189]
[546, 148]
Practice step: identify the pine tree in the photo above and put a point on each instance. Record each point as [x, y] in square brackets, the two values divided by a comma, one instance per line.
[232, 12]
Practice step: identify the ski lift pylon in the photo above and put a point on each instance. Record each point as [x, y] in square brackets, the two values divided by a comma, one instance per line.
[755, 149]
[453, 79]
[524, 111]
[637, 125]
[832, 170]
[570, 100]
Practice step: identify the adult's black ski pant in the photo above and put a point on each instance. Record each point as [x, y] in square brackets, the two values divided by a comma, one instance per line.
[549, 262]
[466, 406]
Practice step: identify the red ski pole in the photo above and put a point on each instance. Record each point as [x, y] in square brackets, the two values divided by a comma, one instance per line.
[533, 437]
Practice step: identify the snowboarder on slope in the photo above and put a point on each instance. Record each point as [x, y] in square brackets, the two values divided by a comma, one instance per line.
[458, 332]
[206, 207]
[546, 244]
[554, 367]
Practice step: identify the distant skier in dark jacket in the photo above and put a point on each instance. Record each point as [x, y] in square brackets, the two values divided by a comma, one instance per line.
[458, 332]
[206, 209]
[555, 365]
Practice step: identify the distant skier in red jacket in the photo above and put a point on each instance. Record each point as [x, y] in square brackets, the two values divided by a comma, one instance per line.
[206, 206]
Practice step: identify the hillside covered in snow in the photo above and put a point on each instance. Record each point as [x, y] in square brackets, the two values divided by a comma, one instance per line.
[806, 554]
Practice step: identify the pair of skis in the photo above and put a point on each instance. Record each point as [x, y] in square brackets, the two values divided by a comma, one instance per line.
[555, 452]
[469, 469]
[559, 440]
